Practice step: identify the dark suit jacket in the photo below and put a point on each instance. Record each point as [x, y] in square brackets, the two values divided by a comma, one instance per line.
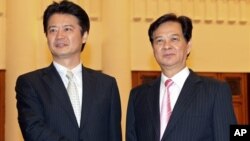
[45, 112]
[203, 112]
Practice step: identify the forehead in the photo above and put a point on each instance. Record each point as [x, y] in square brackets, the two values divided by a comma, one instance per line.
[169, 27]
[59, 18]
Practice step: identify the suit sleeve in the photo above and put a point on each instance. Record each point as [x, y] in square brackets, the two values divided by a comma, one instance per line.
[130, 121]
[115, 114]
[30, 114]
[223, 113]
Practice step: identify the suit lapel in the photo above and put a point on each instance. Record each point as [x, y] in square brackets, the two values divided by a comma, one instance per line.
[185, 98]
[55, 83]
[89, 93]
[153, 102]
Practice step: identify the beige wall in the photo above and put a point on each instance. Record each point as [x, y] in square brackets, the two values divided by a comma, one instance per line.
[118, 41]
[221, 34]
[216, 47]
[20, 55]
[2, 34]
[224, 48]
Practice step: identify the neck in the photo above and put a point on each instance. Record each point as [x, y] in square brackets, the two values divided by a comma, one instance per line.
[68, 63]
[170, 72]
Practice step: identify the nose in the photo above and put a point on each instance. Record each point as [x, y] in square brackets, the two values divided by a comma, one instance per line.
[60, 34]
[167, 44]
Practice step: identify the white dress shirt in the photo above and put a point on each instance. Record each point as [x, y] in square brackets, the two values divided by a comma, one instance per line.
[179, 80]
[77, 71]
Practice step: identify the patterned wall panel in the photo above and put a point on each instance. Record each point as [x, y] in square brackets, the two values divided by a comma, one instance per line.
[188, 8]
[210, 10]
[138, 9]
[164, 6]
[93, 8]
[176, 6]
[198, 9]
[42, 5]
[230, 11]
[151, 9]
[243, 5]
[2, 7]
[221, 9]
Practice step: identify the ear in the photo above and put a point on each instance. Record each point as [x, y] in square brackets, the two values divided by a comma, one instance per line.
[189, 46]
[85, 37]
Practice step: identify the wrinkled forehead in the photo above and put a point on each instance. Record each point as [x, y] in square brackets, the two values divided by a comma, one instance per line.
[169, 28]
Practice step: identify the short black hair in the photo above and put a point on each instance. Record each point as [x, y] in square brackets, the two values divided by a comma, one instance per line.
[67, 7]
[186, 25]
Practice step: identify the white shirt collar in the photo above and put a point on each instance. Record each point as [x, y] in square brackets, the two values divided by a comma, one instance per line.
[63, 70]
[179, 78]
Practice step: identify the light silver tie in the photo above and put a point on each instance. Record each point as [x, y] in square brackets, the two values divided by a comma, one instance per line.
[74, 97]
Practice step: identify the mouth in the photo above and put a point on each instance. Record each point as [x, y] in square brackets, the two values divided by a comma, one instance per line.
[60, 44]
[168, 54]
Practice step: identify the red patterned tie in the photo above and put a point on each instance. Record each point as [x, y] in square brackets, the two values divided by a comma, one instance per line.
[165, 107]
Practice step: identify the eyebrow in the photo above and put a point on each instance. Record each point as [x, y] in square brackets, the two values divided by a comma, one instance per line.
[164, 35]
[68, 25]
[53, 26]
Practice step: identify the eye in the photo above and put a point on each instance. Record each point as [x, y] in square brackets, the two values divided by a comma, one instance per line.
[174, 38]
[159, 41]
[67, 29]
[52, 30]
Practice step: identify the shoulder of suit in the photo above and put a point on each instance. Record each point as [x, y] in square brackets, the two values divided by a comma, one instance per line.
[97, 73]
[147, 85]
[211, 80]
[34, 72]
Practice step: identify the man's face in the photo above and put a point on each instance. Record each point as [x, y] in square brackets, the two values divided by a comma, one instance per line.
[64, 36]
[170, 47]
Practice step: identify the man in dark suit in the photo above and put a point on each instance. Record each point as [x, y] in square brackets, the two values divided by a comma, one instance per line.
[196, 108]
[51, 105]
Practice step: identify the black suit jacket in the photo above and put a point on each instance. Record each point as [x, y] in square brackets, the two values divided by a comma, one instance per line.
[203, 112]
[45, 112]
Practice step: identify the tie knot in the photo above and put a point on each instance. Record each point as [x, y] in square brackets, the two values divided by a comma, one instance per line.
[69, 75]
[168, 83]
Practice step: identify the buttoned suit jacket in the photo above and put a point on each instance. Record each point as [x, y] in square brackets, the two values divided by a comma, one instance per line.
[203, 112]
[45, 112]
